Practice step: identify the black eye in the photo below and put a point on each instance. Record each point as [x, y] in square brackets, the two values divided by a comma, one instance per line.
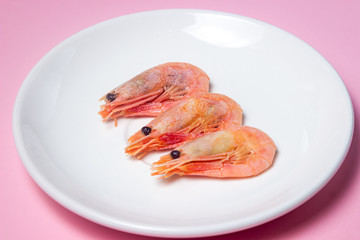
[175, 154]
[146, 130]
[110, 97]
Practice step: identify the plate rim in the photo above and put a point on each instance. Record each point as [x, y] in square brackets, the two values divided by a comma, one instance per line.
[176, 232]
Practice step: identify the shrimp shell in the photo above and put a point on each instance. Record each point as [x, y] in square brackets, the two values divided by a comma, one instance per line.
[154, 91]
[191, 118]
[238, 151]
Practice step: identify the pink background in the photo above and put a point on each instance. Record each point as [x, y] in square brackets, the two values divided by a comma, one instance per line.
[29, 29]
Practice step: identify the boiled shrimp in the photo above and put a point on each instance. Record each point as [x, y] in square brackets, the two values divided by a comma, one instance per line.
[154, 91]
[238, 151]
[191, 118]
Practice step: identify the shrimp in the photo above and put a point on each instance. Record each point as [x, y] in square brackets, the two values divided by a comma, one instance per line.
[238, 151]
[154, 91]
[191, 118]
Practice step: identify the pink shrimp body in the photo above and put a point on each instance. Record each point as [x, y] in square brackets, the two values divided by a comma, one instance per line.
[154, 91]
[191, 118]
[238, 151]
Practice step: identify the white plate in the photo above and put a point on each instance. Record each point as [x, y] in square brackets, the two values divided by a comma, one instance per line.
[285, 87]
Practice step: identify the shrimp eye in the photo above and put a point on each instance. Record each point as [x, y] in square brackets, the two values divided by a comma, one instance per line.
[175, 154]
[110, 97]
[146, 130]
